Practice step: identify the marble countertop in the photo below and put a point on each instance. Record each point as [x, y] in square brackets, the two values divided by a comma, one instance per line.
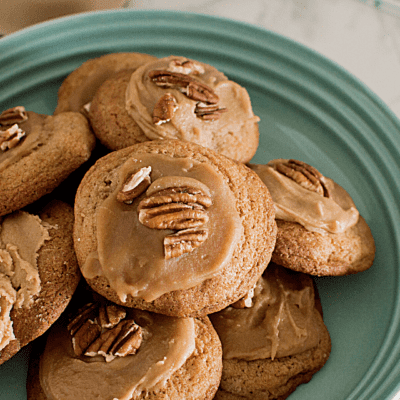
[363, 36]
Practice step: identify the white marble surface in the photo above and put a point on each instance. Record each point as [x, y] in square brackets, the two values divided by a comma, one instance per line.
[363, 36]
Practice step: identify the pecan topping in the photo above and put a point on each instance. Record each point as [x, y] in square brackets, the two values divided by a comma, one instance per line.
[84, 328]
[185, 67]
[86, 334]
[89, 311]
[192, 88]
[184, 241]
[209, 112]
[103, 330]
[182, 209]
[11, 137]
[110, 315]
[15, 115]
[135, 185]
[176, 208]
[305, 175]
[164, 109]
[123, 339]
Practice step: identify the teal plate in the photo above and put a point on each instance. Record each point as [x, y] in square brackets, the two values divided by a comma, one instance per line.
[310, 109]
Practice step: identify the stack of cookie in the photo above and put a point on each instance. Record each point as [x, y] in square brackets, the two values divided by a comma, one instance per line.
[38, 267]
[197, 268]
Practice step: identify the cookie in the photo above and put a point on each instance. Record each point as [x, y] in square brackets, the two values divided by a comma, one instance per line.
[38, 273]
[137, 354]
[172, 227]
[176, 98]
[320, 230]
[80, 85]
[110, 121]
[273, 339]
[38, 152]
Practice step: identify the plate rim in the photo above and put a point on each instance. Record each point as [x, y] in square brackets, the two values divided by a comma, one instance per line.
[56, 22]
[65, 20]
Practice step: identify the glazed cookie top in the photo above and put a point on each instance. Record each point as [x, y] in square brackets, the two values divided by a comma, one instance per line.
[302, 194]
[19, 275]
[38, 152]
[169, 224]
[178, 98]
[136, 350]
[278, 318]
[21, 132]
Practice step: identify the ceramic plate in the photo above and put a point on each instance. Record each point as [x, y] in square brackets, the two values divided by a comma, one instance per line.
[310, 109]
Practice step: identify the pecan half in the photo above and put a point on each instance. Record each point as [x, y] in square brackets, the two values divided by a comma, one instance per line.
[185, 67]
[164, 109]
[102, 329]
[123, 339]
[192, 88]
[11, 137]
[89, 311]
[15, 115]
[209, 112]
[85, 335]
[184, 241]
[110, 315]
[305, 175]
[84, 328]
[176, 208]
[135, 185]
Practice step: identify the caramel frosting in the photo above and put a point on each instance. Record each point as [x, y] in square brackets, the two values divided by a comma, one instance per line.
[187, 121]
[19, 275]
[293, 202]
[130, 250]
[8, 297]
[34, 136]
[281, 321]
[167, 343]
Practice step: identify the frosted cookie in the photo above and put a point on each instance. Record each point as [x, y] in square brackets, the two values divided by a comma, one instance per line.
[177, 98]
[320, 230]
[38, 152]
[273, 339]
[79, 87]
[111, 352]
[38, 273]
[172, 227]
